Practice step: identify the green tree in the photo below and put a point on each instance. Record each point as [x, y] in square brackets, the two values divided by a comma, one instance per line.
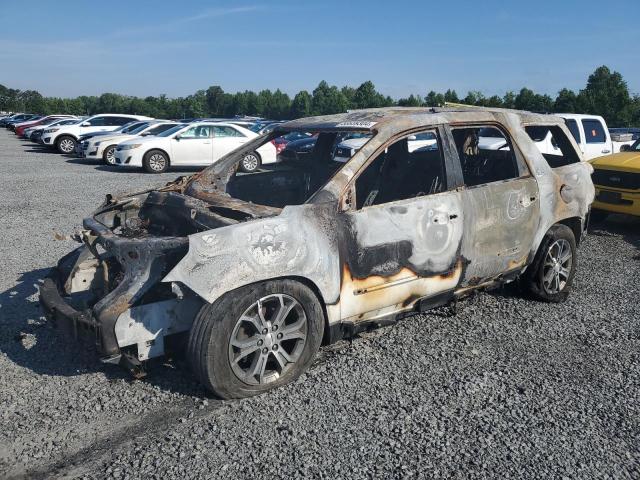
[366, 96]
[509, 100]
[215, 101]
[301, 105]
[434, 99]
[607, 94]
[279, 106]
[327, 100]
[528, 100]
[565, 102]
[411, 101]
[451, 96]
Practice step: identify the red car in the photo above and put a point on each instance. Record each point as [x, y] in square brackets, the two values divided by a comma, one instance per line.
[21, 127]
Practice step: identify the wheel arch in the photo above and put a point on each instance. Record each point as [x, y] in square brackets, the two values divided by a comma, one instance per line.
[575, 224]
[157, 149]
[297, 278]
[62, 135]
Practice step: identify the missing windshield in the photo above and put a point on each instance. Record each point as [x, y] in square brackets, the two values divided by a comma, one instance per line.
[306, 160]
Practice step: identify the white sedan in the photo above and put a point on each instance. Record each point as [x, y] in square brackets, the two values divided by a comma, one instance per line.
[103, 147]
[195, 144]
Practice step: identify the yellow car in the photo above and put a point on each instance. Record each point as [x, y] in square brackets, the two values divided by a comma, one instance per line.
[617, 181]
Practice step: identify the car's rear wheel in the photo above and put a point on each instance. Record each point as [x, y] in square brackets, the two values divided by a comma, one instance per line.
[155, 161]
[66, 144]
[551, 274]
[109, 155]
[256, 338]
[250, 162]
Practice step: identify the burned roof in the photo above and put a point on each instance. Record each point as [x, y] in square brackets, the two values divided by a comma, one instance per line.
[378, 118]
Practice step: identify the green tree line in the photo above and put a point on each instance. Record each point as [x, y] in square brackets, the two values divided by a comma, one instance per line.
[606, 93]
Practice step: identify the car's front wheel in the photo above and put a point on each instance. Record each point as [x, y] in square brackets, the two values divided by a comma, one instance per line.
[550, 276]
[109, 155]
[66, 144]
[250, 162]
[155, 161]
[256, 338]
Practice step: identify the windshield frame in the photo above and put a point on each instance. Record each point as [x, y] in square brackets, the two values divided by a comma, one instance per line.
[174, 130]
[215, 178]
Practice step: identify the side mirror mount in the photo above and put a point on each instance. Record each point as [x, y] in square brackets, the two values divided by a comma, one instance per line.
[625, 148]
[177, 138]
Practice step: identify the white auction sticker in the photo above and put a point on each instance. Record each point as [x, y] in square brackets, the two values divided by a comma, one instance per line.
[356, 124]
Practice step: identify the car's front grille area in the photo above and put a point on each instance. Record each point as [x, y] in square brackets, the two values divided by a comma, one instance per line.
[615, 179]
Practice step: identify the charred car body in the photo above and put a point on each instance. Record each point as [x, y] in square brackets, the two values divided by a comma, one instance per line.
[256, 270]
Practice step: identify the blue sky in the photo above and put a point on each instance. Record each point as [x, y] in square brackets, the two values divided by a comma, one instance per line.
[70, 48]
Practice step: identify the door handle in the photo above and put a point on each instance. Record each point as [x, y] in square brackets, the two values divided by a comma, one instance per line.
[606, 151]
[206, 143]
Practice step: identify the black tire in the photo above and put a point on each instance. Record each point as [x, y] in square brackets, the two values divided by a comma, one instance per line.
[155, 161]
[66, 144]
[534, 277]
[250, 162]
[108, 155]
[598, 216]
[209, 347]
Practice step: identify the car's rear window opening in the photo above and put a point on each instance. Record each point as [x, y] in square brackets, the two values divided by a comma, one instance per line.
[553, 144]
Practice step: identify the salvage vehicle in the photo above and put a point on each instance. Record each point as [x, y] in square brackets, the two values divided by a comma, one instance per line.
[64, 139]
[194, 144]
[103, 147]
[617, 182]
[254, 271]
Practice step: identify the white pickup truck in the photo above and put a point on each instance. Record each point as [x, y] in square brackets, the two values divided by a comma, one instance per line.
[592, 135]
[590, 132]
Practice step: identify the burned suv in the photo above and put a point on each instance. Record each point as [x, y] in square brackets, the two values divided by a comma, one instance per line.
[254, 271]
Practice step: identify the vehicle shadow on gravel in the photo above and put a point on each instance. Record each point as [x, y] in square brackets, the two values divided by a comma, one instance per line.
[624, 226]
[107, 168]
[36, 149]
[28, 340]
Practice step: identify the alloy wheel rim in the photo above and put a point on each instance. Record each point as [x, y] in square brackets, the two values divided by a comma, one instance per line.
[250, 162]
[268, 339]
[157, 162]
[557, 266]
[66, 145]
[111, 156]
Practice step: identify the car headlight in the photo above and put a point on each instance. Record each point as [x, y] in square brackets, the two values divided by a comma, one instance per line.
[51, 130]
[131, 147]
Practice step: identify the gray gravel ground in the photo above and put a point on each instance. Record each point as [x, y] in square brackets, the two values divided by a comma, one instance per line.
[507, 387]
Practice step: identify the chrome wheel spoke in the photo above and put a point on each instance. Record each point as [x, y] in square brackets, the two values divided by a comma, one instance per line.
[557, 266]
[283, 311]
[283, 358]
[245, 352]
[257, 324]
[258, 367]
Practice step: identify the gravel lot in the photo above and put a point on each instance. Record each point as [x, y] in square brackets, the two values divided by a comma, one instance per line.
[507, 387]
